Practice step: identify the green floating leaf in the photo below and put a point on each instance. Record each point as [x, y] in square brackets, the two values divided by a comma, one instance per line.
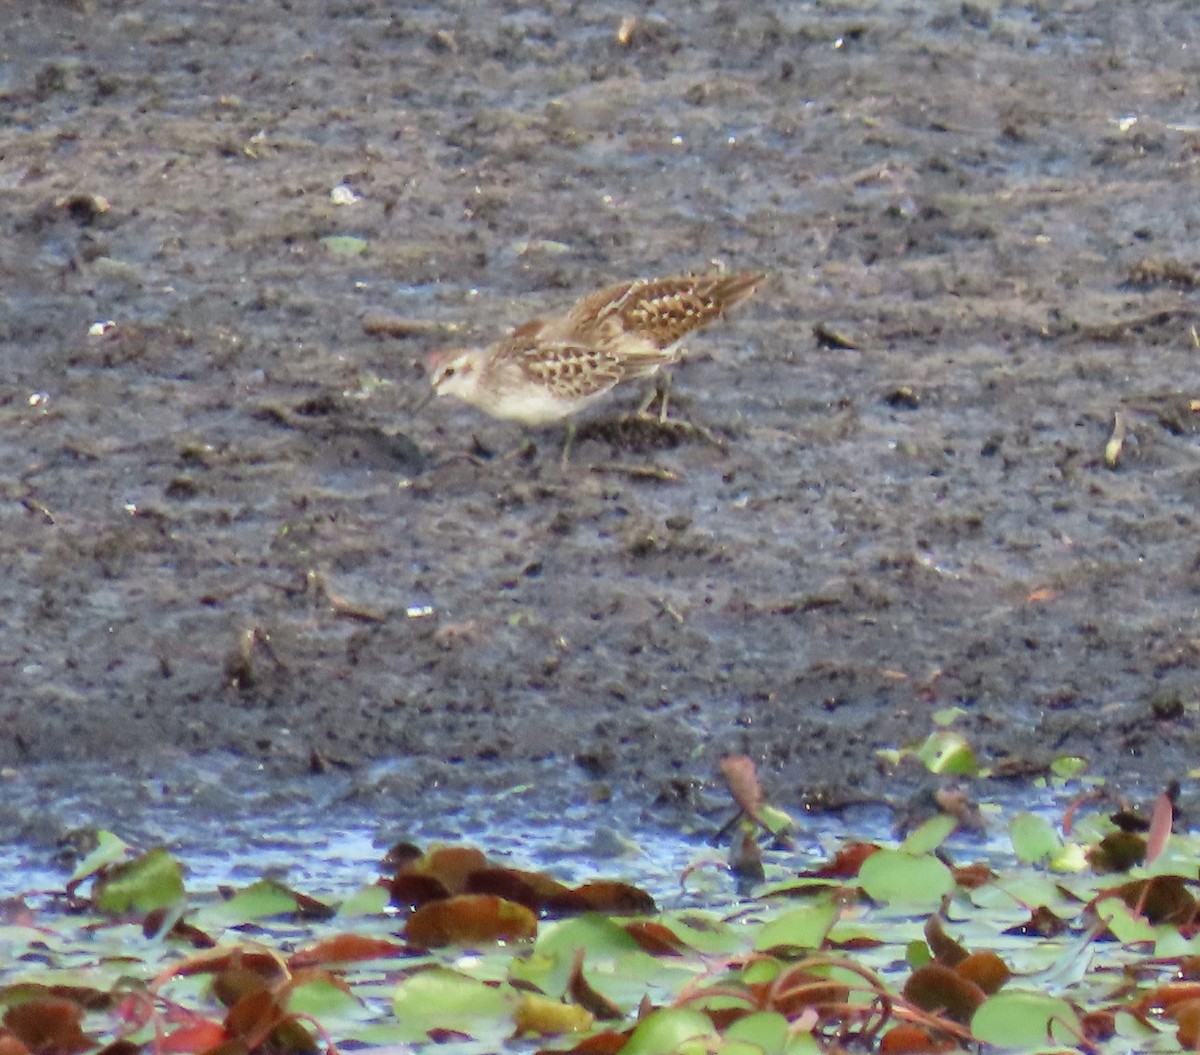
[321, 998]
[109, 849]
[1033, 838]
[896, 877]
[345, 244]
[152, 881]
[930, 835]
[439, 998]
[260, 900]
[665, 1031]
[947, 716]
[948, 752]
[766, 1031]
[802, 928]
[1068, 766]
[1014, 1019]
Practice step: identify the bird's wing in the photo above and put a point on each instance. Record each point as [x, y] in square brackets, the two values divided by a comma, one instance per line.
[569, 369]
[660, 311]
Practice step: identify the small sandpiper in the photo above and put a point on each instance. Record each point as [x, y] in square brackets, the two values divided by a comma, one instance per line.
[552, 368]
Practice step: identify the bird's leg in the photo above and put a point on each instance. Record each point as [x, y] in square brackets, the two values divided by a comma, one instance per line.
[660, 391]
[568, 443]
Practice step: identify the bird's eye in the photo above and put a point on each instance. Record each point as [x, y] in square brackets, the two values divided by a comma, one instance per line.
[448, 372]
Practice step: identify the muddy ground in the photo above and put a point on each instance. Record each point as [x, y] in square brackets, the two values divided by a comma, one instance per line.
[225, 528]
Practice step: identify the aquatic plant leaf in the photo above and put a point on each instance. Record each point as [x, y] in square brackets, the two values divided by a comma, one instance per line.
[930, 835]
[1160, 899]
[586, 996]
[604, 895]
[321, 996]
[470, 918]
[1022, 1019]
[49, 1024]
[1033, 839]
[986, 969]
[542, 1016]
[846, 863]
[767, 1031]
[942, 990]
[430, 999]
[267, 898]
[534, 890]
[945, 751]
[344, 948]
[151, 881]
[655, 938]
[345, 244]
[896, 877]
[197, 1036]
[599, 935]
[802, 928]
[909, 1038]
[109, 849]
[665, 1031]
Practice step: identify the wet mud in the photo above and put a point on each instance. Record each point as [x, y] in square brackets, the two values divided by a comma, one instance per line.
[958, 464]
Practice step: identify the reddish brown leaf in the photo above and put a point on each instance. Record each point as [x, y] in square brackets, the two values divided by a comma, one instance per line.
[1187, 1023]
[654, 938]
[235, 983]
[1118, 852]
[604, 895]
[940, 989]
[253, 1018]
[972, 877]
[344, 948]
[581, 992]
[49, 1026]
[606, 1043]
[1041, 924]
[741, 777]
[1160, 826]
[531, 889]
[199, 1036]
[1166, 996]
[1161, 899]
[411, 890]
[985, 969]
[469, 919]
[908, 1038]
[845, 864]
[452, 865]
[945, 949]
[10, 1044]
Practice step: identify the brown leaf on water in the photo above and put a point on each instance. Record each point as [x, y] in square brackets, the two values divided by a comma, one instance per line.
[845, 864]
[1160, 826]
[1042, 923]
[604, 895]
[985, 969]
[344, 948]
[470, 919]
[531, 889]
[411, 890]
[945, 949]
[1161, 899]
[11, 1044]
[581, 992]
[655, 939]
[909, 1038]
[741, 777]
[939, 989]
[610, 1042]
[453, 865]
[49, 1026]
[1117, 852]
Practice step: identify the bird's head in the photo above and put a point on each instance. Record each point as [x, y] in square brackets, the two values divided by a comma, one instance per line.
[453, 371]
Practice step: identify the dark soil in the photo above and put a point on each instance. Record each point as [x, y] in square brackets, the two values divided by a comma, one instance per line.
[226, 528]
